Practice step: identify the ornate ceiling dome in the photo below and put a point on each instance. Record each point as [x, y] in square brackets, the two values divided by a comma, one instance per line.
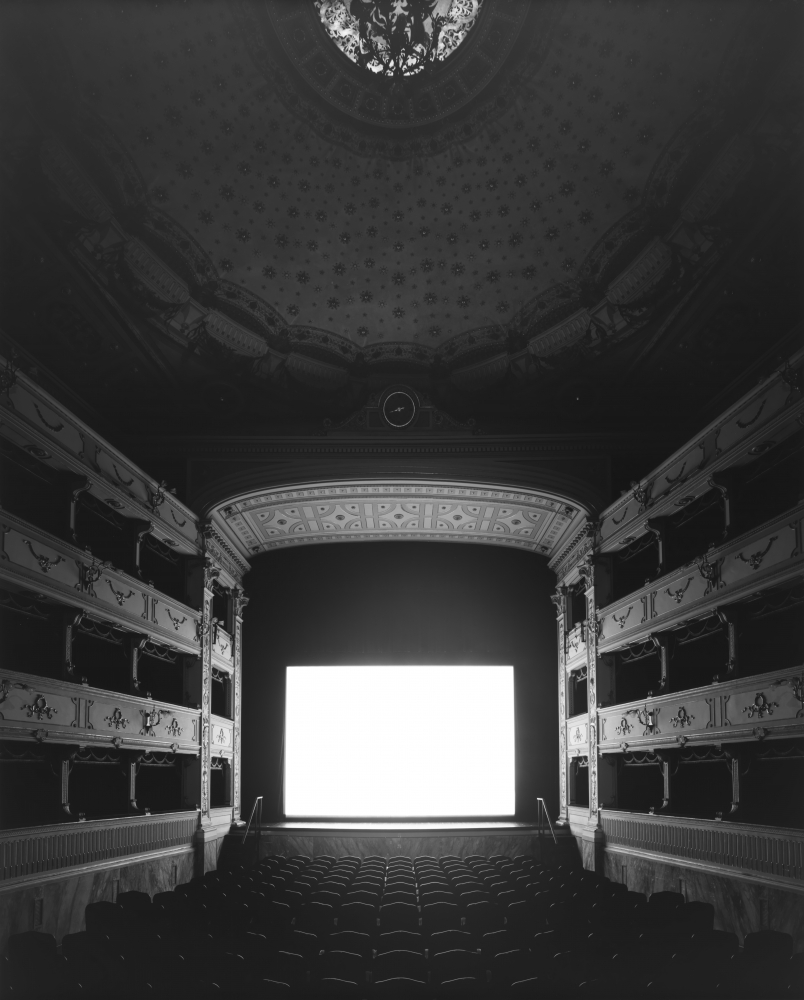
[397, 79]
[398, 37]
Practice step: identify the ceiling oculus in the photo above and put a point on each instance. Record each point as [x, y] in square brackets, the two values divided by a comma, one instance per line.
[398, 37]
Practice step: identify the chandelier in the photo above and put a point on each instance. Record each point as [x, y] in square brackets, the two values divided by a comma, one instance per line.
[398, 38]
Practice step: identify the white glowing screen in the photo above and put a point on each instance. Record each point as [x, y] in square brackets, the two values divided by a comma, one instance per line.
[399, 742]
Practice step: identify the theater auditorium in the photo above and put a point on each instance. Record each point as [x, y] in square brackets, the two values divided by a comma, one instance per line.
[401, 499]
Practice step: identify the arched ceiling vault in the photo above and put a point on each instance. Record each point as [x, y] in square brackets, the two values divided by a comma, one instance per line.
[403, 510]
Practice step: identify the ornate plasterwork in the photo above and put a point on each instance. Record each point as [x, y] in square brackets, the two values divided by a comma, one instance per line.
[382, 510]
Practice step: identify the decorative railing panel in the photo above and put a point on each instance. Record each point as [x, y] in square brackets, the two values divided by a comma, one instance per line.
[765, 705]
[45, 564]
[222, 645]
[760, 849]
[55, 711]
[765, 557]
[222, 735]
[762, 418]
[578, 735]
[34, 850]
[575, 646]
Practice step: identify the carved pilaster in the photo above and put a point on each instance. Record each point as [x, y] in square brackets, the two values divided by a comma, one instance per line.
[238, 606]
[587, 572]
[559, 599]
[206, 637]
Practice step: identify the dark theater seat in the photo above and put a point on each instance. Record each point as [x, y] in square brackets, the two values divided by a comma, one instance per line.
[244, 933]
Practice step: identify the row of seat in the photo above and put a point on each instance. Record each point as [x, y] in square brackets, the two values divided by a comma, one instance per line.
[263, 929]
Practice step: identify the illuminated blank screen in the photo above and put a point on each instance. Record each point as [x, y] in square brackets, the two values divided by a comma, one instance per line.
[399, 742]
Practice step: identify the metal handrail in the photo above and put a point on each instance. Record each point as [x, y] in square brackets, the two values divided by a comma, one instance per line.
[543, 813]
[256, 808]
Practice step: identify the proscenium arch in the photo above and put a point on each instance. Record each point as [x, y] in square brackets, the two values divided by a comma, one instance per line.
[330, 511]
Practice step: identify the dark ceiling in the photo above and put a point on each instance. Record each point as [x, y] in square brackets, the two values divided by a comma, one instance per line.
[579, 153]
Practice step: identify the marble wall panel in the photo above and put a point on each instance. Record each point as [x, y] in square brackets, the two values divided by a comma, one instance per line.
[63, 900]
[741, 905]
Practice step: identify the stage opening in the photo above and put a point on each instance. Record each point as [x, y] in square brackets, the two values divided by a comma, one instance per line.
[401, 742]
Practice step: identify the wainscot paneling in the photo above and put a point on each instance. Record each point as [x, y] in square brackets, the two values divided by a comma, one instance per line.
[742, 905]
[56, 905]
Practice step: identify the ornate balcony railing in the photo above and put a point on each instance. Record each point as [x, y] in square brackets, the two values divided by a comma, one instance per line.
[39, 424]
[769, 555]
[746, 708]
[762, 418]
[44, 564]
[53, 711]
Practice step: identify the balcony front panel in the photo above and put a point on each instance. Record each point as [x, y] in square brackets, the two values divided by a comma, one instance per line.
[747, 708]
[222, 736]
[575, 647]
[38, 423]
[578, 735]
[42, 563]
[222, 646]
[766, 557]
[762, 418]
[51, 711]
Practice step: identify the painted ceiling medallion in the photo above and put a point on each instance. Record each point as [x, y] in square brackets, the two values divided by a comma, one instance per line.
[398, 37]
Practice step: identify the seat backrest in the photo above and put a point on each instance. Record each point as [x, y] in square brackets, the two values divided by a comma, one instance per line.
[134, 901]
[346, 965]
[399, 962]
[400, 986]
[104, 917]
[357, 916]
[400, 940]
[509, 966]
[357, 942]
[353, 895]
[482, 916]
[31, 948]
[399, 916]
[454, 963]
[700, 915]
[667, 900]
[441, 916]
[769, 946]
[399, 896]
[723, 943]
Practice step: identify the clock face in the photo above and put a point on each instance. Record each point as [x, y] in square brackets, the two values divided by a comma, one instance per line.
[399, 408]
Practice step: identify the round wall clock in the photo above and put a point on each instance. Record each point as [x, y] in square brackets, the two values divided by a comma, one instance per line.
[399, 408]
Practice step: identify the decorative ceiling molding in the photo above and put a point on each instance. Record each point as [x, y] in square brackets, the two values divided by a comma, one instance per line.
[410, 510]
